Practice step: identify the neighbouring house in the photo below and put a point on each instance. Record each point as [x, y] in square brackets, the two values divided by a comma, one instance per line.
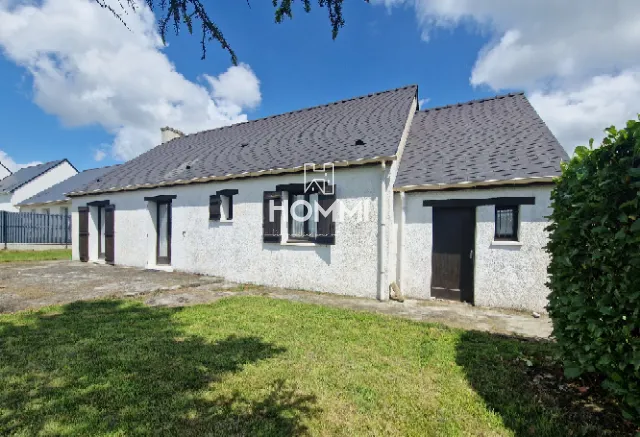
[29, 181]
[53, 200]
[4, 171]
[346, 198]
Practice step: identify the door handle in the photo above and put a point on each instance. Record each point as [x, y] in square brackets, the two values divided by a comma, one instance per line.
[471, 254]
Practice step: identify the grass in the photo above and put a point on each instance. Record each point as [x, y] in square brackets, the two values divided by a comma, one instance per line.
[34, 255]
[256, 366]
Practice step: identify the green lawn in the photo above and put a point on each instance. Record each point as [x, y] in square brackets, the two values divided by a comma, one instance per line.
[34, 255]
[256, 366]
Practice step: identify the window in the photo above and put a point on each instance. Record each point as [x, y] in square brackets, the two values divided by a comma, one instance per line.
[46, 211]
[506, 223]
[64, 210]
[101, 234]
[221, 205]
[310, 215]
[302, 217]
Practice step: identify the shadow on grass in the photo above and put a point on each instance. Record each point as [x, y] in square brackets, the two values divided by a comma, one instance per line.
[522, 383]
[108, 367]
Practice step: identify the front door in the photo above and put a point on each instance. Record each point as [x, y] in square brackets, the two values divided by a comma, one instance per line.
[164, 233]
[453, 253]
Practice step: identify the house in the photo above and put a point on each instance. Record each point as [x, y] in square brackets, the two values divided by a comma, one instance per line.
[53, 200]
[346, 198]
[4, 171]
[29, 181]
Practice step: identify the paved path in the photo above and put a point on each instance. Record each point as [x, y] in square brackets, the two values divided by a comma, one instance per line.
[36, 284]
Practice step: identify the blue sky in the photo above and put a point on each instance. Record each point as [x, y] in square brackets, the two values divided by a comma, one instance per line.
[297, 65]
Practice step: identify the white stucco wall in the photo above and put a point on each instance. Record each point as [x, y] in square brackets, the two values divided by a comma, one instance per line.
[55, 175]
[391, 243]
[235, 250]
[509, 276]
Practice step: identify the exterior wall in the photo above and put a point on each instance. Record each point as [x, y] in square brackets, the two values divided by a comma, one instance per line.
[48, 179]
[235, 250]
[53, 208]
[391, 243]
[506, 274]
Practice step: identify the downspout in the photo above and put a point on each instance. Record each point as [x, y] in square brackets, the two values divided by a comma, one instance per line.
[383, 292]
[400, 249]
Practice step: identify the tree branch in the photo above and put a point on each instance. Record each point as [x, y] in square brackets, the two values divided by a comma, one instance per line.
[178, 12]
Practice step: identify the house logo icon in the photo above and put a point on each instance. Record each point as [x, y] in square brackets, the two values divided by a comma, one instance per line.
[322, 176]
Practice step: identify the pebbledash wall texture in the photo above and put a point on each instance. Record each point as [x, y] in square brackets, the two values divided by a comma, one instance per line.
[235, 250]
[508, 274]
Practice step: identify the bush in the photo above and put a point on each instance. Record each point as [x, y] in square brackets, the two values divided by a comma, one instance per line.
[595, 264]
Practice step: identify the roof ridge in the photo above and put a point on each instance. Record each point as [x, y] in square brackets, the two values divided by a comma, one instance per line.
[301, 110]
[98, 168]
[471, 102]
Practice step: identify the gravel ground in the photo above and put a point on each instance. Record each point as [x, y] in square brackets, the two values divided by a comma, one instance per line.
[31, 285]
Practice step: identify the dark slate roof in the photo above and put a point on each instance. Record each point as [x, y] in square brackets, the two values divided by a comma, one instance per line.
[25, 175]
[499, 138]
[320, 134]
[57, 192]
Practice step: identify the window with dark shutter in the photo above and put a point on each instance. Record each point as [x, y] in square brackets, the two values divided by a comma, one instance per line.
[506, 223]
[221, 205]
[326, 227]
[271, 216]
[214, 207]
[109, 234]
[83, 233]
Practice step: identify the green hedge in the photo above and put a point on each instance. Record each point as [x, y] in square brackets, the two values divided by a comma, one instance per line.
[595, 264]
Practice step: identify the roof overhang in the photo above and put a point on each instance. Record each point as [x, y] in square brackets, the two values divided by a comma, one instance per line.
[480, 184]
[51, 202]
[269, 172]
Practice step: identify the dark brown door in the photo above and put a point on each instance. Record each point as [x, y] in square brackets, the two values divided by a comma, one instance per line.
[453, 253]
[83, 233]
[163, 227]
[109, 234]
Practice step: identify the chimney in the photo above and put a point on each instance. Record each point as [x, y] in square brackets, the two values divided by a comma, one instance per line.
[168, 133]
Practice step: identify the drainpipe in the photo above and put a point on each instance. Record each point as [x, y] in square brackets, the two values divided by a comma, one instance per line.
[400, 250]
[383, 292]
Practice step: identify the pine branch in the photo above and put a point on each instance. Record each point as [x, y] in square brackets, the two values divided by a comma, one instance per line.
[179, 12]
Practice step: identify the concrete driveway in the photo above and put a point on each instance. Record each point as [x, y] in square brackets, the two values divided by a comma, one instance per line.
[32, 285]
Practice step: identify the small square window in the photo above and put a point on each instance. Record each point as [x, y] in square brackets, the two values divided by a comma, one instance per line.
[506, 223]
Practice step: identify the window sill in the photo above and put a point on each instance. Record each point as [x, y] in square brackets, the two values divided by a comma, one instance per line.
[506, 243]
[300, 243]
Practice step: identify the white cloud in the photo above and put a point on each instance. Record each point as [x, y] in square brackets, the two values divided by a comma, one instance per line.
[99, 155]
[423, 102]
[13, 166]
[87, 69]
[571, 56]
